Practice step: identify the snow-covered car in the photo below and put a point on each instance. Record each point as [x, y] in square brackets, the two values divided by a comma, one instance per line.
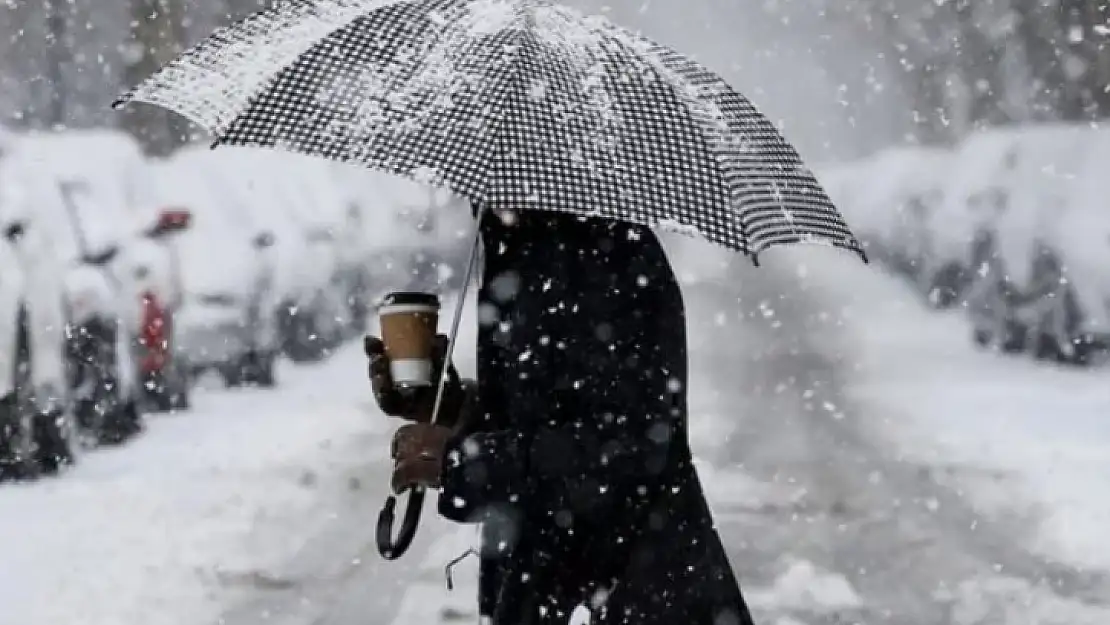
[973, 196]
[226, 321]
[416, 236]
[154, 289]
[263, 189]
[15, 443]
[101, 194]
[903, 188]
[16, 435]
[356, 252]
[389, 251]
[1018, 297]
[35, 433]
[1079, 236]
[35, 418]
[81, 227]
[318, 209]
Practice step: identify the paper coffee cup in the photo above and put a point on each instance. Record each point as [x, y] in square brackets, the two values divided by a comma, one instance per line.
[408, 323]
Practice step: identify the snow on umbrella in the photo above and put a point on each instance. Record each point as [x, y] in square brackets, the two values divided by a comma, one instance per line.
[523, 104]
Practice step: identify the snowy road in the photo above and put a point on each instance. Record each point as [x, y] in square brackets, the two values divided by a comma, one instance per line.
[829, 497]
[258, 508]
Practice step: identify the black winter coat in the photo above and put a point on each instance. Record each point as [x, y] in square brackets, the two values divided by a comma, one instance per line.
[578, 463]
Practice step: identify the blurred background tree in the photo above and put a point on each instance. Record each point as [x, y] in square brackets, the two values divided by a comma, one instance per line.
[986, 62]
[157, 34]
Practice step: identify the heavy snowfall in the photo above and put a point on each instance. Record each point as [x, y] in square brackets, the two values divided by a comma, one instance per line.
[188, 434]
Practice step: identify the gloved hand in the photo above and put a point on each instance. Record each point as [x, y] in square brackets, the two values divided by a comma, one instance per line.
[415, 404]
[418, 450]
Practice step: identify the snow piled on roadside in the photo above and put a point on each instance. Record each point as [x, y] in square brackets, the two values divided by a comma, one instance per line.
[170, 528]
[1020, 437]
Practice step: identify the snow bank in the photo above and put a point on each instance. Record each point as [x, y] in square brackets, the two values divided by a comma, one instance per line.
[202, 509]
[1022, 439]
[1033, 187]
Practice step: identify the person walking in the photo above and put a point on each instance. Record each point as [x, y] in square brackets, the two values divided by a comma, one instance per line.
[572, 449]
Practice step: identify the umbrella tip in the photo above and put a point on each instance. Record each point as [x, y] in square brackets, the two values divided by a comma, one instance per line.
[123, 100]
[755, 258]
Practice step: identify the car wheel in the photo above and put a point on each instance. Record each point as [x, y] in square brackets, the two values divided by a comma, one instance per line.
[257, 369]
[91, 361]
[232, 373]
[90, 421]
[1091, 350]
[156, 392]
[170, 393]
[1061, 337]
[1014, 337]
[1045, 347]
[946, 286]
[121, 424]
[179, 399]
[303, 342]
[168, 400]
[54, 449]
[118, 416]
[17, 445]
[1084, 348]
[263, 369]
[31, 437]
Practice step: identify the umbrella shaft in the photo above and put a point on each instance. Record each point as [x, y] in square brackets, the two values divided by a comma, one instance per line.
[452, 336]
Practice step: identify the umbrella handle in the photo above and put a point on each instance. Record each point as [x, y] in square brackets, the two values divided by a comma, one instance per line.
[392, 549]
[389, 548]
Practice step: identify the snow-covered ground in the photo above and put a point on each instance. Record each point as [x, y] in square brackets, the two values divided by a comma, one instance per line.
[258, 507]
[1020, 437]
[201, 508]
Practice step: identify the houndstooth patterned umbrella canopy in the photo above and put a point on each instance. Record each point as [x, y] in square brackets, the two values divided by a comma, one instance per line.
[512, 103]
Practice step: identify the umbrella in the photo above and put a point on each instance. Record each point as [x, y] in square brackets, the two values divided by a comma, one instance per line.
[520, 104]
[525, 104]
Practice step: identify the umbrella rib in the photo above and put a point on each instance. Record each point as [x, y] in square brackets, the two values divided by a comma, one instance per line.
[499, 124]
[719, 99]
[657, 65]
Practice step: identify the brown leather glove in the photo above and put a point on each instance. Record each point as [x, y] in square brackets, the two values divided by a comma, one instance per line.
[415, 404]
[418, 450]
